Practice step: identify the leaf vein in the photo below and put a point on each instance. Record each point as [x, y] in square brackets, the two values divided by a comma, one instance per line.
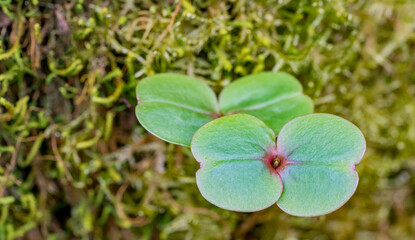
[181, 106]
[272, 101]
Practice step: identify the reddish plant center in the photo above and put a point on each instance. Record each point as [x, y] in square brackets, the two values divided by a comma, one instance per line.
[275, 162]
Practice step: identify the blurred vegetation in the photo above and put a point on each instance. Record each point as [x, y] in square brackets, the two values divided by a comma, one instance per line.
[75, 163]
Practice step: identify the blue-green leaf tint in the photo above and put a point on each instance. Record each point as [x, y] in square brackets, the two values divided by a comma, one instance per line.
[174, 106]
[316, 153]
[275, 98]
[234, 172]
[319, 153]
[316, 157]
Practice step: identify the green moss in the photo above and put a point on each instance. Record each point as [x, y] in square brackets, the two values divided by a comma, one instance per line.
[74, 162]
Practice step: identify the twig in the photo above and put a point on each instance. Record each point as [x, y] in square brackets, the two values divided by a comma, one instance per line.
[19, 33]
[10, 167]
[163, 34]
[58, 156]
[138, 221]
[248, 224]
[197, 210]
[13, 161]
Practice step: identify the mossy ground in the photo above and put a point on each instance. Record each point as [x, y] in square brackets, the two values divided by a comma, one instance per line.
[75, 163]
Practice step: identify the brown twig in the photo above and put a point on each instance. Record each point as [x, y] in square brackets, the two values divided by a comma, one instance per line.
[164, 33]
[143, 166]
[197, 210]
[138, 221]
[10, 167]
[53, 137]
[13, 161]
[248, 224]
[58, 156]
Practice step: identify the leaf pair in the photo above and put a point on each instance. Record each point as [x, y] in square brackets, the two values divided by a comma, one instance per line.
[173, 106]
[309, 171]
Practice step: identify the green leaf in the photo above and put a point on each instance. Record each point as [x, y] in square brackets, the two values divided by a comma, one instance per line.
[241, 185]
[275, 98]
[238, 136]
[235, 173]
[174, 106]
[318, 154]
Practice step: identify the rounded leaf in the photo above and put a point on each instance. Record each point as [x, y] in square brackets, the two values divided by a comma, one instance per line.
[319, 153]
[239, 185]
[234, 174]
[275, 98]
[169, 122]
[238, 136]
[174, 106]
[312, 190]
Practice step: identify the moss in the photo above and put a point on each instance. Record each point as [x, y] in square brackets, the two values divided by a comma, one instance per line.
[74, 162]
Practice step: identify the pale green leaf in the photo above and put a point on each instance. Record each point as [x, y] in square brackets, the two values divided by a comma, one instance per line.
[173, 106]
[275, 98]
[318, 153]
[238, 136]
[235, 173]
[239, 185]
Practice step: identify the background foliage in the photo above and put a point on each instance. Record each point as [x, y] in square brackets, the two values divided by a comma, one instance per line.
[75, 164]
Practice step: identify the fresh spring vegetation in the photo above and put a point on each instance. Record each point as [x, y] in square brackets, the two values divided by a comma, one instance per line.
[174, 106]
[309, 172]
[75, 164]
